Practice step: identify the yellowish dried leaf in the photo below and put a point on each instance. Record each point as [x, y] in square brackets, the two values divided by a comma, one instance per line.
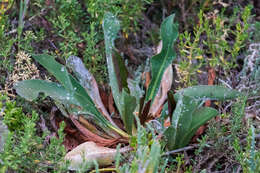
[165, 86]
[89, 152]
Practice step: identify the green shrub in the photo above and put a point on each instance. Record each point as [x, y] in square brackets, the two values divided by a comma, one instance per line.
[209, 46]
[24, 150]
[248, 156]
[146, 154]
[13, 115]
[129, 12]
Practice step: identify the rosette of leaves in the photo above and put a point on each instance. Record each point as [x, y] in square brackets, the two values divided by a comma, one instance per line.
[187, 113]
[78, 97]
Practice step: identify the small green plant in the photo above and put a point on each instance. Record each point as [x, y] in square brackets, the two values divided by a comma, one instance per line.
[129, 12]
[94, 57]
[13, 115]
[248, 156]
[22, 13]
[202, 144]
[77, 97]
[189, 115]
[146, 153]
[236, 117]
[78, 34]
[213, 32]
[24, 150]
[26, 41]
[83, 93]
[6, 43]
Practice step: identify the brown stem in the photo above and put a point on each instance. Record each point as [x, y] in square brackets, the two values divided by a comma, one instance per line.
[211, 79]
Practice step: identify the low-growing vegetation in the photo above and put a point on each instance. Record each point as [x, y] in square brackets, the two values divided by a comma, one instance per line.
[87, 86]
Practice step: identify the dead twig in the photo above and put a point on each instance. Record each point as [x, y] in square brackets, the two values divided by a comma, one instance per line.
[181, 149]
[215, 160]
[238, 169]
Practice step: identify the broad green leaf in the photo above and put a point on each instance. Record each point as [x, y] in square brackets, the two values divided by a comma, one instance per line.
[86, 103]
[76, 91]
[61, 74]
[89, 83]
[154, 157]
[181, 120]
[128, 106]
[170, 137]
[30, 89]
[56, 69]
[209, 93]
[199, 117]
[111, 27]
[121, 71]
[182, 113]
[117, 71]
[188, 108]
[161, 61]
